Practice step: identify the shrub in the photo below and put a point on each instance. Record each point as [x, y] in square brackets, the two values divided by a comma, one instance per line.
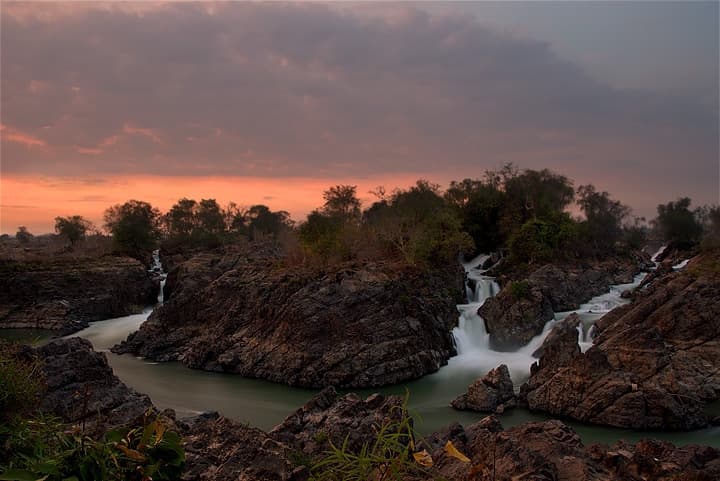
[20, 381]
[520, 289]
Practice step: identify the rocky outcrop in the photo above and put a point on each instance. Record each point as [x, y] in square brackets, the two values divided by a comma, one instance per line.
[492, 393]
[551, 451]
[82, 389]
[66, 293]
[524, 305]
[515, 315]
[357, 325]
[220, 449]
[654, 364]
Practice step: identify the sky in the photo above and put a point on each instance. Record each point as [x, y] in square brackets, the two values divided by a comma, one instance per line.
[273, 102]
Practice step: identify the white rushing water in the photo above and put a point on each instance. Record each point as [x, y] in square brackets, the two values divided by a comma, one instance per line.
[473, 341]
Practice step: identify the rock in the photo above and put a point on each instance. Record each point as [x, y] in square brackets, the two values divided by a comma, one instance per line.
[82, 389]
[220, 449]
[328, 418]
[561, 344]
[250, 313]
[525, 304]
[492, 392]
[513, 318]
[654, 364]
[66, 293]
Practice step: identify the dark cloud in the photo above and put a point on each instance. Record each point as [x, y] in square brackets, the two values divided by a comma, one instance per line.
[284, 90]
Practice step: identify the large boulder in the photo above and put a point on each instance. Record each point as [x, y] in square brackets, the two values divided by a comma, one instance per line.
[82, 389]
[654, 364]
[65, 293]
[354, 325]
[493, 392]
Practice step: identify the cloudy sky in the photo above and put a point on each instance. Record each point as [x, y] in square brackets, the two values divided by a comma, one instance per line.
[271, 103]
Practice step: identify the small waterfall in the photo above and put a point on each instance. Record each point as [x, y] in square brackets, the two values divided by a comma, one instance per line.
[156, 269]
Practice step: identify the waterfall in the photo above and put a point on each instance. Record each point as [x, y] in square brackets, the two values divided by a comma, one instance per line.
[157, 270]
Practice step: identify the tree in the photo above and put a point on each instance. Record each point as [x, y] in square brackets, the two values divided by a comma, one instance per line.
[604, 216]
[180, 219]
[210, 217]
[677, 223]
[479, 206]
[341, 201]
[72, 228]
[23, 235]
[262, 221]
[134, 226]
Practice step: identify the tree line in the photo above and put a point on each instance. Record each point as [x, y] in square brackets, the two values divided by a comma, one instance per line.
[526, 213]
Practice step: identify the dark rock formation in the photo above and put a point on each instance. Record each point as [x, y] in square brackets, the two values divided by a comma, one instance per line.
[492, 393]
[329, 418]
[654, 364]
[552, 451]
[353, 326]
[65, 293]
[82, 389]
[220, 449]
[523, 307]
[513, 317]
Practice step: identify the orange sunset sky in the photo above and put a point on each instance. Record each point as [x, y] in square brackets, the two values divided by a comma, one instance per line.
[271, 103]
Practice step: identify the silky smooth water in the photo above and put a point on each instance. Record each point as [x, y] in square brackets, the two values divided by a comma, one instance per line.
[264, 404]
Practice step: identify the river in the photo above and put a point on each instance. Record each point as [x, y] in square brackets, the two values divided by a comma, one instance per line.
[264, 404]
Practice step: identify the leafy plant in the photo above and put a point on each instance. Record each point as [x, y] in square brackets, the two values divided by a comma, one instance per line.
[41, 448]
[390, 457]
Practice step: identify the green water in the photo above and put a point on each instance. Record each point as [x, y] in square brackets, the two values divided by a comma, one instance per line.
[264, 404]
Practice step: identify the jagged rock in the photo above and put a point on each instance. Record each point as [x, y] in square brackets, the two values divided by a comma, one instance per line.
[488, 394]
[552, 451]
[328, 418]
[82, 389]
[371, 324]
[66, 293]
[560, 346]
[654, 364]
[220, 449]
[526, 303]
[513, 318]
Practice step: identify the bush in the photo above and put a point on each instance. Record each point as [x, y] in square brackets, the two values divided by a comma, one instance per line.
[520, 289]
[20, 381]
[41, 448]
[542, 240]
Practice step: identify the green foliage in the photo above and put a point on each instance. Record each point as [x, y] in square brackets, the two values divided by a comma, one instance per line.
[677, 223]
[20, 381]
[322, 235]
[388, 457]
[262, 222]
[134, 227]
[72, 228]
[341, 201]
[520, 289]
[41, 448]
[418, 225]
[542, 240]
[604, 217]
[23, 235]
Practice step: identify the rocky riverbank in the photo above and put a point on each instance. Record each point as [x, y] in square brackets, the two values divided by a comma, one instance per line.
[221, 449]
[529, 298]
[66, 293]
[353, 325]
[654, 364]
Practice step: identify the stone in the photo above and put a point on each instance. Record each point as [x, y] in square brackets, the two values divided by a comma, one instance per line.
[491, 393]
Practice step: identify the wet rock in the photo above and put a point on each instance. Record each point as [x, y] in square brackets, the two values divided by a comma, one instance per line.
[514, 317]
[82, 389]
[654, 363]
[250, 313]
[488, 394]
[66, 293]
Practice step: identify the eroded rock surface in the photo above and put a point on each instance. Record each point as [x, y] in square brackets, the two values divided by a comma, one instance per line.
[65, 293]
[82, 389]
[524, 305]
[357, 325]
[654, 364]
[493, 392]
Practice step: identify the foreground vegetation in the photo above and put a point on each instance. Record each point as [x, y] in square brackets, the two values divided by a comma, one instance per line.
[37, 446]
